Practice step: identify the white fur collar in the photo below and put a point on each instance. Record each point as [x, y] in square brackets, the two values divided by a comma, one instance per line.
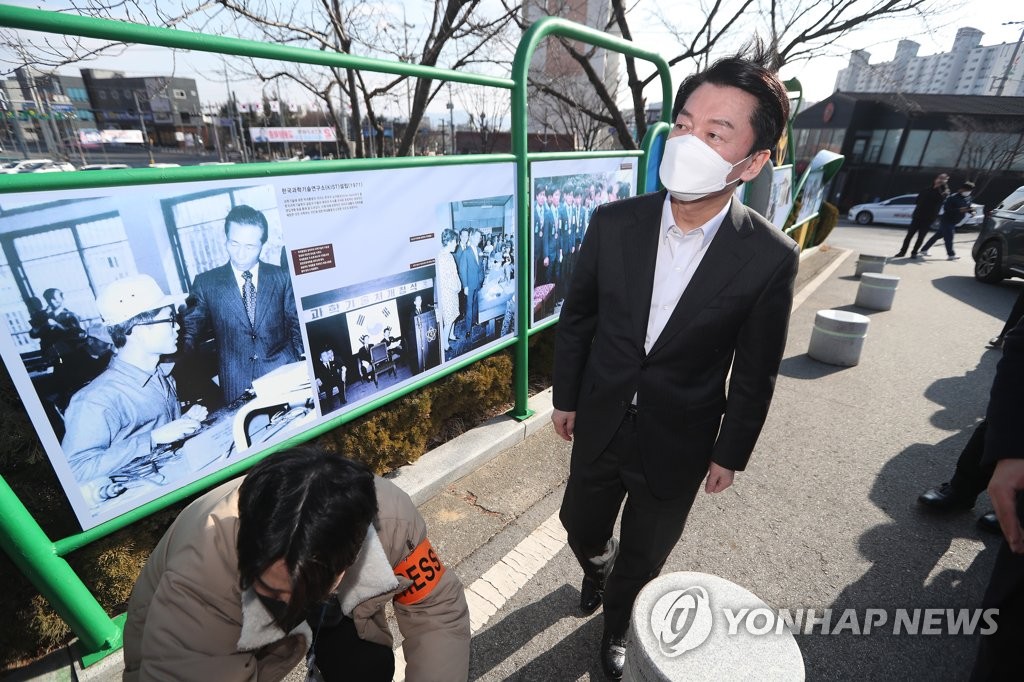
[369, 575]
[259, 628]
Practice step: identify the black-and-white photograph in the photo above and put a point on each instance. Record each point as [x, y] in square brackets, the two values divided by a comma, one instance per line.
[369, 337]
[475, 275]
[565, 194]
[158, 331]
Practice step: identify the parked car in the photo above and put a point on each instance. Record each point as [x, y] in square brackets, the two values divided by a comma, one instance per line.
[999, 249]
[104, 166]
[35, 166]
[899, 210]
[53, 167]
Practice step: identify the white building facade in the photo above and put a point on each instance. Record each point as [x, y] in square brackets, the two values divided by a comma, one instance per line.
[968, 69]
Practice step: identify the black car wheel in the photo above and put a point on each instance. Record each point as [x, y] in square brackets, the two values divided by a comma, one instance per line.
[988, 266]
[864, 218]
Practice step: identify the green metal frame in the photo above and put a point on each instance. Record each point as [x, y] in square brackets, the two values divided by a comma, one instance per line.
[39, 557]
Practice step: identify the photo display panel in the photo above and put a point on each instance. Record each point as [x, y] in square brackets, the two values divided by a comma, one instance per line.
[157, 333]
[563, 196]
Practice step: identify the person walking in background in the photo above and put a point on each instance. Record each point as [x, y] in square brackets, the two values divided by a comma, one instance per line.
[926, 210]
[448, 286]
[954, 208]
[673, 292]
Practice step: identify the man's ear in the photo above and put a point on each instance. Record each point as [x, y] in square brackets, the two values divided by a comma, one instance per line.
[757, 162]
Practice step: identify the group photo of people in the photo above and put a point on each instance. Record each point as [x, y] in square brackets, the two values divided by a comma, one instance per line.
[561, 210]
[171, 309]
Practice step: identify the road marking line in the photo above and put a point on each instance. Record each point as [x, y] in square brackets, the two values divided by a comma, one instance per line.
[500, 582]
[813, 285]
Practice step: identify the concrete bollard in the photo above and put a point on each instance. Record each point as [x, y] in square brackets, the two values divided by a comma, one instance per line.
[695, 626]
[838, 337]
[867, 263]
[877, 291]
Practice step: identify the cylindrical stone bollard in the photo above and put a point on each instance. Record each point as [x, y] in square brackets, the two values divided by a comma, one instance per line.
[877, 291]
[686, 626]
[838, 337]
[867, 263]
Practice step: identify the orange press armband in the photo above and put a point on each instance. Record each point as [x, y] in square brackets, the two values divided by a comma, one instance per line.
[424, 568]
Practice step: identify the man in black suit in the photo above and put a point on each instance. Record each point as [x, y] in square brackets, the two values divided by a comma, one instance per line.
[999, 653]
[671, 292]
[329, 377]
[249, 305]
[471, 274]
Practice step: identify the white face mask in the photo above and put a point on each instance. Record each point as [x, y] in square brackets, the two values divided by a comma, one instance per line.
[691, 170]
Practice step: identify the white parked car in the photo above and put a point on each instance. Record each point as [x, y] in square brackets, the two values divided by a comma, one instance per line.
[35, 166]
[104, 166]
[899, 210]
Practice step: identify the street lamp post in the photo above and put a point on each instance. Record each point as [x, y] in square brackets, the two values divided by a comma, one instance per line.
[451, 117]
[142, 122]
[1013, 58]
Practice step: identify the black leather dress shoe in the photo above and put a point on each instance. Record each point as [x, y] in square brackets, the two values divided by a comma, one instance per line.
[613, 656]
[989, 523]
[945, 498]
[591, 595]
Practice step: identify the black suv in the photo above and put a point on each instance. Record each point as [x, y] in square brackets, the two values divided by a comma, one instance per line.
[999, 250]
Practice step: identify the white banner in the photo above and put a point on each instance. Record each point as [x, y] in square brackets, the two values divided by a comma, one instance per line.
[120, 136]
[356, 295]
[312, 134]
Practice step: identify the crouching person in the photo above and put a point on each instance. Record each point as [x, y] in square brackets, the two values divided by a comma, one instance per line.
[296, 560]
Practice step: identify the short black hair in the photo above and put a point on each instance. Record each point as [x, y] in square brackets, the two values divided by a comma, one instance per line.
[751, 72]
[49, 293]
[310, 508]
[448, 236]
[967, 184]
[247, 215]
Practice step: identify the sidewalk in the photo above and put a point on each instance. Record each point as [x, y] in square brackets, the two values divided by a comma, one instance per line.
[824, 517]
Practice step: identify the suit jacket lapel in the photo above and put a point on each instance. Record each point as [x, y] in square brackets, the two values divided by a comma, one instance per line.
[728, 253]
[266, 293]
[640, 255]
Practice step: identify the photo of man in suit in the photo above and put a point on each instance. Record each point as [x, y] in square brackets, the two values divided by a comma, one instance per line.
[471, 274]
[671, 292]
[248, 304]
[330, 380]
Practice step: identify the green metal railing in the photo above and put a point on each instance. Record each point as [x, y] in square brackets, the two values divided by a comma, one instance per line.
[21, 537]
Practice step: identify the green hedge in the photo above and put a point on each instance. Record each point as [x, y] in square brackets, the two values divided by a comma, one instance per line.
[386, 439]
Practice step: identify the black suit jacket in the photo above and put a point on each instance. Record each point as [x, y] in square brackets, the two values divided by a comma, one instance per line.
[244, 351]
[734, 313]
[1004, 435]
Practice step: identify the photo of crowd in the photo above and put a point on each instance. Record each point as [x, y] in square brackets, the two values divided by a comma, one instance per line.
[564, 197]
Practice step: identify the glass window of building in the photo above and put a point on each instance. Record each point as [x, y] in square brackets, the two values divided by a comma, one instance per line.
[889, 147]
[943, 148]
[914, 147]
[198, 226]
